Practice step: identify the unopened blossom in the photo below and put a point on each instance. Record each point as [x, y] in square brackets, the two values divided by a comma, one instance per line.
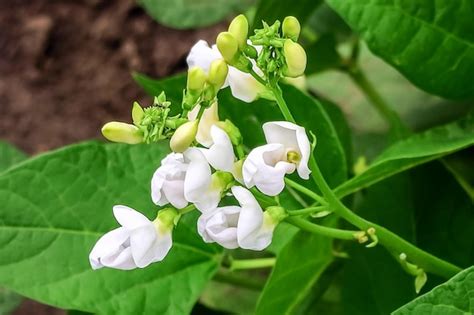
[288, 149]
[243, 86]
[136, 244]
[209, 117]
[167, 184]
[245, 226]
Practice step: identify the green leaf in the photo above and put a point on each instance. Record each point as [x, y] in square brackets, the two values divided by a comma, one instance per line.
[461, 166]
[56, 206]
[417, 149]
[272, 10]
[430, 42]
[298, 267]
[190, 13]
[455, 297]
[322, 55]
[9, 156]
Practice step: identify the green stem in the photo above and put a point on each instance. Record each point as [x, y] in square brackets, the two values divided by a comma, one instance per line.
[390, 240]
[322, 230]
[275, 88]
[306, 211]
[304, 190]
[187, 209]
[239, 264]
[230, 278]
[258, 78]
[360, 79]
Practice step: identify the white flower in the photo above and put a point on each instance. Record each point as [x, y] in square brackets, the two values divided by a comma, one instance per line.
[199, 185]
[138, 243]
[266, 167]
[167, 184]
[246, 226]
[295, 142]
[209, 117]
[221, 153]
[242, 85]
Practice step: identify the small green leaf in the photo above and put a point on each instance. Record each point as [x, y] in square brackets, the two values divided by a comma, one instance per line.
[57, 205]
[417, 149]
[9, 156]
[455, 297]
[190, 13]
[430, 42]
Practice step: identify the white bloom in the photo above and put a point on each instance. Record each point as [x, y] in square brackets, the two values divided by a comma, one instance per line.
[266, 167]
[294, 140]
[242, 85]
[167, 184]
[209, 117]
[221, 153]
[138, 243]
[220, 226]
[199, 187]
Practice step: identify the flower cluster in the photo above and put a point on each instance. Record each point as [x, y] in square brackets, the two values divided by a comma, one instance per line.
[208, 160]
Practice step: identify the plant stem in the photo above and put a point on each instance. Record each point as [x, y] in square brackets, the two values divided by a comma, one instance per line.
[306, 191]
[275, 88]
[239, 264]
[391, 241]
[187, 209]
[308, 210]
[360, 79]
[230, 278]
[322, 230]
[258, 78]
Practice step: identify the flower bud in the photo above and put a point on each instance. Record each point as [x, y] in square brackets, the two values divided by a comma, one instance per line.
[137, 113]
[196, 79]
[295, 59]
[218, 73]
[239, 27]
[122, 132]
[184, 136]
[291, 28]
[228, 46]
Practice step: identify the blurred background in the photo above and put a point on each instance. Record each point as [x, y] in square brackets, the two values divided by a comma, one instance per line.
[65, 70]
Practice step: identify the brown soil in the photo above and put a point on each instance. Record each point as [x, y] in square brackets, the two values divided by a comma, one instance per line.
[65, 70]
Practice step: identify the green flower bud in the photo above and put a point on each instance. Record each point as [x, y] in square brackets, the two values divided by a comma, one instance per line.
[228, 46]
[239, 27]
[218, 73]
[251, 51]
[295, 59]
[122, 132]
[184, 136]
[196, 79]
[291, 28]
[137, 113]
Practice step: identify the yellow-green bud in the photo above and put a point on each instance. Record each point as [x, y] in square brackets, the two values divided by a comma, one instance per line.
[295, 59]
[228, 46]
[291, 28]
[137, 113]
[218, 73]
[239, 27]
[196, 79]
[184, 136]
[122, 132]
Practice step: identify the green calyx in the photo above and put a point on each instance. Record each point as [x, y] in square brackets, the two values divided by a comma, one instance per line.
[232, 131]
[276, 214]
[166, 219]
[221, 180]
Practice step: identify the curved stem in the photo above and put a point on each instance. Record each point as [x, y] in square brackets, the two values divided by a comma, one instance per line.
[257, 77]
[187, 209]
[304, 190]
[239, 264]
[322, 230]
[308, 210]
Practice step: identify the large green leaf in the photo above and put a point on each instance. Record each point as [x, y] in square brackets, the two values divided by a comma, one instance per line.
[417, 149]
[9, 155]
[455, 297]
[430, 42]
[272, 10]
[190, 13]
[56, 206]
[299, 265]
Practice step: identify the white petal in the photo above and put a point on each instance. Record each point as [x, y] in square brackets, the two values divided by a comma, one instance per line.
[265, 168]
[250, 234]
[109, 251]
[292, 137]
[170, 173]
[209, 117]
[243, 86]
[221, 154]
[220, 226]
[198, 176]
[173, 191]
[201, 55]
[162, 245]
[209, 199]
[129, 218]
